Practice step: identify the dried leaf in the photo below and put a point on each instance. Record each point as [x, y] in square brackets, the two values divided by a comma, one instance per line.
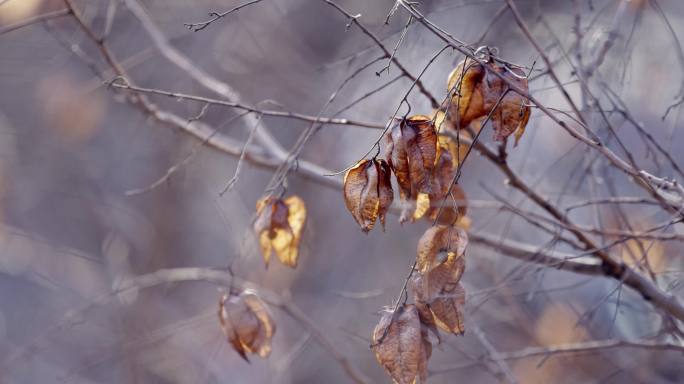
[246, 323]
[401, 346]
[439, 239]
[279, 226]
[368, 192]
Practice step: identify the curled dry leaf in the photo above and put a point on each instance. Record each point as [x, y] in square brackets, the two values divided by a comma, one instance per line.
[438, 239]
[279, 226]
[401, 345]
[368, 192]
[476, 91]
[246, 323]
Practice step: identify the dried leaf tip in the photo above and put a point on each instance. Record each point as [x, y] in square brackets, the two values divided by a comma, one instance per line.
[279, 227]
[247, 324]
[368, 192]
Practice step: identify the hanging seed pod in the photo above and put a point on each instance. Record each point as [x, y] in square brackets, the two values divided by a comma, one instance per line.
[411, 149]
[279, 227]
[465, 87]
[436, 283]
[445, 203]
[436, 240]
[368, 192]
[475, 91]
[401, 345]
[246, 323]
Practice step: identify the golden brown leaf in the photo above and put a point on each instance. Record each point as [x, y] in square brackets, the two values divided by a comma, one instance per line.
[368, 192]
[279, 226]
[401, 346]
[246, 323]
[440, 239]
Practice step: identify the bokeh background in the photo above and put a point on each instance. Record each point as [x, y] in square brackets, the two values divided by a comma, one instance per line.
[70, 148]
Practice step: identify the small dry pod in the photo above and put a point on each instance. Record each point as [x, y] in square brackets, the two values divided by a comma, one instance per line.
[279, 226]
[401, 345]
[475, 91]
[436, 283]
[446, 203]
[368, 192]
[247, 324]
[411, 149]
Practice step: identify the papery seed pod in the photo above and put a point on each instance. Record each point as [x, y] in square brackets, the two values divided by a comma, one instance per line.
[440, 297]
[401, 346]
[246, 323]
[445, 203]
[427, 320]
[427, 286]
[476, 90]
[411, 148]
[368, 192]
[279, 226]
[448, 310]
[465, 87]
[436, 240]
[512, 113]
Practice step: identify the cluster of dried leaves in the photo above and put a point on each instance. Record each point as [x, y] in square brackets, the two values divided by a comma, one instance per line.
[400, 340]
[246, 323]
[425, 162]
